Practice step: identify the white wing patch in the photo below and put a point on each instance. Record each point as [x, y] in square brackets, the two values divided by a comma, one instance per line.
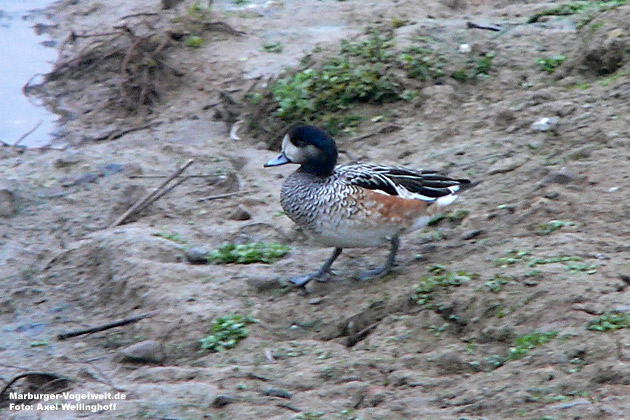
[405, 193]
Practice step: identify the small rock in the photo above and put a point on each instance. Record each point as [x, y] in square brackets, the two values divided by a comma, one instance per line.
[506, 165]
[464, 49]
[552, 195]
[264, 284]
[472, 234]
[148, 351]
[530, 282]
[79, 179]
[278, 392]
[315, 301]
[8, 203]
[111, 168]
[222, 400]
[560, 177]
[545, 124]
[570, 404]
[452, 362]
[132, 169]
[197, 255]
[7, 306]
[240, 213]
[67, 160]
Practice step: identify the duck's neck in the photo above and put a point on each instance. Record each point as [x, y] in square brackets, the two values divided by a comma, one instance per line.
[319, 166]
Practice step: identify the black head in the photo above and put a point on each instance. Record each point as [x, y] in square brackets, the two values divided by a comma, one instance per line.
[309, 146]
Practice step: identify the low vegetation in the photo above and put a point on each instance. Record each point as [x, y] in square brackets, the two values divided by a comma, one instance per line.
[553, 225]
[611, 321]
[249, 253]
[578, 7]
[440, 277]
[364, 71]
[227, 331]
[521, 347]
[549, 64]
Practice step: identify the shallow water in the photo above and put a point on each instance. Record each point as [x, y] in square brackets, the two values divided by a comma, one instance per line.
[22, 56]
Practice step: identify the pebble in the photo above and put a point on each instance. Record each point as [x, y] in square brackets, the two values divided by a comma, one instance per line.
[8, 203]
[315, 301]
[197, 255]
[277, 392]
[506, 165]
[264, 284]
[148, 351]
[545, 124]
[561, 176]
[79, 179]
[68, 159]
[452, 362]
[529, 282]
[472, 234]
[240, 213]
[222, 400]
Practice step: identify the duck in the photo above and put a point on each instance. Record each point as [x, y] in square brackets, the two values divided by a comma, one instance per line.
[355, 205]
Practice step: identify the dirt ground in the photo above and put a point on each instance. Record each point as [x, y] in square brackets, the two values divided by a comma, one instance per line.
[541, 245]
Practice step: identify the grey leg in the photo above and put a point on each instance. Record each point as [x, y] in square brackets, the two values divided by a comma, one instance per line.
[302, 281]
[386, 268]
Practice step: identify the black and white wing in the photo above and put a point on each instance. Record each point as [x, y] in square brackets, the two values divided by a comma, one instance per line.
[426, 185]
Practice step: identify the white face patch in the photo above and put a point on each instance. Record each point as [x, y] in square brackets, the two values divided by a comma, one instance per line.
[297, 154]
[293, 153]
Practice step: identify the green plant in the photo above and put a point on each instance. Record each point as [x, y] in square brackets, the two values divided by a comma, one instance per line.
[582, 267]
[576, 7]
[198, 11]
[611, 321]
[193, 41]
[272, 47]
[475, 68]
[526, 343]
[550, 64]
[173, 237]
[484, 63]
[441, 277]
[438, 330]
[227, 331]
[553, 225]
[553, 260]
[455, 217]
[496, 283]
[252, 252]
[512, 256]
[421, 63]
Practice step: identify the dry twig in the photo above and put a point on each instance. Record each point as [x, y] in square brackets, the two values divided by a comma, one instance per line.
[226, 195]
[107, 326]
[152, 196]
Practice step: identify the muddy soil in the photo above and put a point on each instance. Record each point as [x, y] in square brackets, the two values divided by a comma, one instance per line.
[541, 244]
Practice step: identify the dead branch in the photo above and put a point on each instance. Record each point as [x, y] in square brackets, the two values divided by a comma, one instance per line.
[164, 176]
[105, 327]
[139, 14]
[361, 335]
[150, 197]
[28, 133]
[472, 25]
[226, 195]
[45, 378]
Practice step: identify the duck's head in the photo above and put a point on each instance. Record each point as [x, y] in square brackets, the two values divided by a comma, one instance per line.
[309, 146]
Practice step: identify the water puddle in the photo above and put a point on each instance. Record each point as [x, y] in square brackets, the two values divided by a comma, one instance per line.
[25, 54]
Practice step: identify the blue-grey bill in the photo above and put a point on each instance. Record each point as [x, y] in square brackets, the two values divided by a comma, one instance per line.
[281, 159]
